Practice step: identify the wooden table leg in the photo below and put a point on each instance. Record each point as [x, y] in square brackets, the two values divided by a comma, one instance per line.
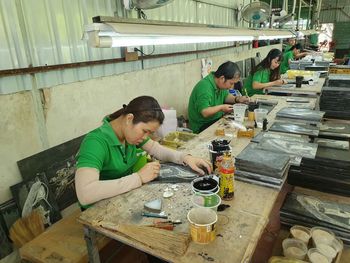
[91, 244]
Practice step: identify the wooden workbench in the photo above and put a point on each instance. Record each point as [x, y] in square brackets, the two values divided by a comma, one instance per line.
[238, 229]
[305, 88]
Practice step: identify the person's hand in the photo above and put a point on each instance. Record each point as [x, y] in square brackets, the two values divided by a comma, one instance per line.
[278, 82]
[243, 99]
[226, 108]
[149, 172]
[197, 164]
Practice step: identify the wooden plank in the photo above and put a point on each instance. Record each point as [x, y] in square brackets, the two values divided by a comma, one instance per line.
[62, 242]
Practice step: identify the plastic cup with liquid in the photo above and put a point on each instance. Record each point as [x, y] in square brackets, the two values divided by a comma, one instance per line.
[322, 235]
[239, 112]
[260, 115]
[328, 250]
[301, 233]
[315, 256]
[294, 248]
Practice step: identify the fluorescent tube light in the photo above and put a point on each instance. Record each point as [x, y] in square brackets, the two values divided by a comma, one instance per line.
[263, 37]
[132, 32]
[122, 41]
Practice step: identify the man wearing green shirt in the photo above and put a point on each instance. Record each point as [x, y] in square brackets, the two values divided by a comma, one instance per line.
[210, 98]
[291, 42]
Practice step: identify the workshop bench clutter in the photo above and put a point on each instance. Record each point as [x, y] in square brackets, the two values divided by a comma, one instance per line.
[62, 242]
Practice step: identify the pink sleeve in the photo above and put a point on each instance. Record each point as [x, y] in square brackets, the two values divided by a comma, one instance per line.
[91, 189]
[163, 153]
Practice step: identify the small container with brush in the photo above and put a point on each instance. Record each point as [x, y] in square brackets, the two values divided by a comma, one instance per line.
[251, 107]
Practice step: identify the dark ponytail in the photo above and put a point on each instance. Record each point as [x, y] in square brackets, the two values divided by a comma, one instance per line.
[144, 109]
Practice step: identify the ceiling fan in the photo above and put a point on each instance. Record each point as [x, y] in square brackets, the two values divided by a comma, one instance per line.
[145, 4]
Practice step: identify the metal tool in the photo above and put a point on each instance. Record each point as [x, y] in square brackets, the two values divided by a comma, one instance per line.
[168, 224]
[160, 215]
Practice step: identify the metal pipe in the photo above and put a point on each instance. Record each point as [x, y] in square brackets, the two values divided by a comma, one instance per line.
[293, 14]
[299, 12]
[213, 4]
[309, 16]
[39, 69]
[270, 20]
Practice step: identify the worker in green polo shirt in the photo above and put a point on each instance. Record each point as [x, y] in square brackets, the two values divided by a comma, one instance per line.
[265, 74]
[288, 57]
[108, 154]
[290, 42]
[210, 98]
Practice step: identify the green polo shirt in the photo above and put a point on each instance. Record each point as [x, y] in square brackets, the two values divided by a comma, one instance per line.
[262, 76]
[287, 47]
[205, 94]
[101, 149]
[284, 64]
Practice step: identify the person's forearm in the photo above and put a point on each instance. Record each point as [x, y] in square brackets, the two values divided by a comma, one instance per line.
[230, 99]
[163, 153]
[259, 85]
[90, 189]
[210, 111]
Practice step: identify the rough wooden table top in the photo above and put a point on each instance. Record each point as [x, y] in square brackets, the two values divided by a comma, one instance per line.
[238, 229]
[305, 88]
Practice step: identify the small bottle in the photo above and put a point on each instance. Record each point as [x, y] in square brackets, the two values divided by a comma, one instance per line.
[265, 122]
[226, 172]
[251, 107]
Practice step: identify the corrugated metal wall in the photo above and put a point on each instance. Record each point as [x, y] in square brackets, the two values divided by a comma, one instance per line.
[341, 34]
[335, 15]
[46, 32]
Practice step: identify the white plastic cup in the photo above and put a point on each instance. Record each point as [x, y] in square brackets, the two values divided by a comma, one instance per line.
[239, 112]
[301, 233]
[328, 250]
[294, 248]
[315, 256]
[322, 235]
[211, 201]
[260, 115]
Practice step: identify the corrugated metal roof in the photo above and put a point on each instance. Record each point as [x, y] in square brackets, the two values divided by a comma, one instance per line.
[44, 32]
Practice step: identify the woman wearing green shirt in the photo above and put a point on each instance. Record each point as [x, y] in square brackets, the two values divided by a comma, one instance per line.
[265, 74]
[108, 154]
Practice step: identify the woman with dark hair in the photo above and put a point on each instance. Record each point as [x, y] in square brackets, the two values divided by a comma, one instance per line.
[289, 56]
[265, 74]
[210, 98]
[290, 42]
[108, 154]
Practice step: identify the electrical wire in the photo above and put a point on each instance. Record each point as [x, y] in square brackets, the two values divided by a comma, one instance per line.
[141, 13]
[144, 54]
